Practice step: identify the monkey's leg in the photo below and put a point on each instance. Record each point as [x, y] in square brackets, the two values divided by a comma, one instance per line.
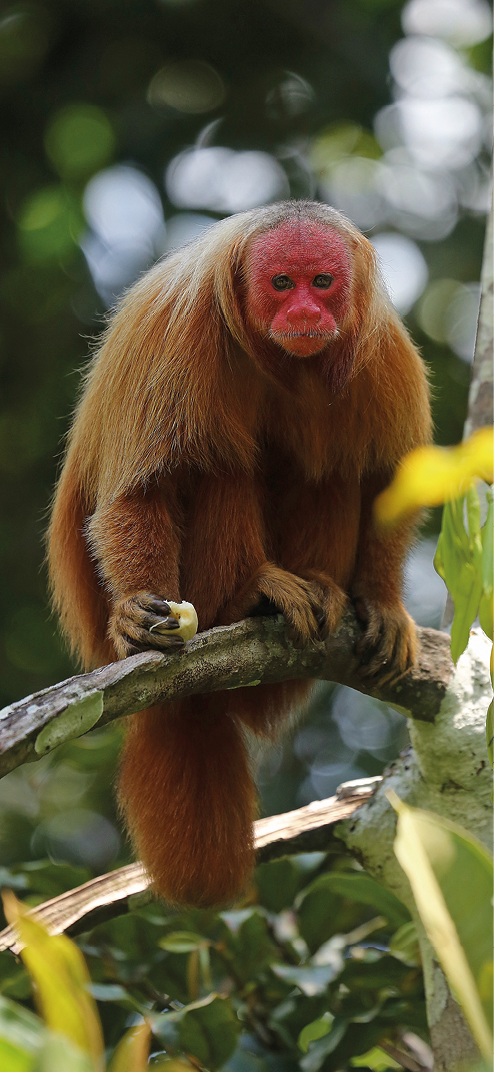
[388, 647]
[225, 558]
[298, 600]
[318, 537]
[136, 545]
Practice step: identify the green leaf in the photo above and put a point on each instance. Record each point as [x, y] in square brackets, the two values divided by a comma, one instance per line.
[21, 1037]
[361, 887]
[278, 883]
[438, 558]
[466, 597]
[181, 942]
[452, 544]
[248, 941]
[473, 515]
[315, 1030]
[404, 945]
[486, 615]
[458, 535]
[312, 980]
[451, 876]
[376, 1060]
[209, 1030]
[320, 1049]
[244, 1060]
[166, 1028]
[59, 1054]
[458, 561]
[13, 1059]
[14, 979]
[291, 1016]
[110, 992]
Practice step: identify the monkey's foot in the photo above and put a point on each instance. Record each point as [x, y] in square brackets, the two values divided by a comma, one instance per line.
[388, 647]
[301, 602]
[330, 597]
[145, 621]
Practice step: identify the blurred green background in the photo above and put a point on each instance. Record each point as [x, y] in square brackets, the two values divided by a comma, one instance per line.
[126, 128]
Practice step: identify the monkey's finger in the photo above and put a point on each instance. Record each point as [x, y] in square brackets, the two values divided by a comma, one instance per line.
[161, 625]
[301, 624]
[395, 654]
[165, 640]
[132, 639]
[369, 643]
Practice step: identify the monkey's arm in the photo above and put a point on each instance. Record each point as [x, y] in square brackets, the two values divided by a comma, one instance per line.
[389, 644]
[136, 546]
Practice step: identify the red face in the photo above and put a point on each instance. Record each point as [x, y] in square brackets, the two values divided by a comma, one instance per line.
[298, 285]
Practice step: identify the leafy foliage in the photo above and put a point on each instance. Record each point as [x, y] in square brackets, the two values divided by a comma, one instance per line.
[243, 990]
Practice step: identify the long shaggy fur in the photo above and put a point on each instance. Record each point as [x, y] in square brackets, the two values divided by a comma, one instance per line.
[205, 464]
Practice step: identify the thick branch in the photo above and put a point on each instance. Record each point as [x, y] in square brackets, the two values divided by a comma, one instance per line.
[309, 829]
[247, 653]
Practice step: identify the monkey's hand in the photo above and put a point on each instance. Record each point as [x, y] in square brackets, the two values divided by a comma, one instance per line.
[145, 621]
[388, 647]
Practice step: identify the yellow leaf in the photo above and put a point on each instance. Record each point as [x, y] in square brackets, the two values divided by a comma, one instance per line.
[59, 971]
[132, 1052]
[429, 476]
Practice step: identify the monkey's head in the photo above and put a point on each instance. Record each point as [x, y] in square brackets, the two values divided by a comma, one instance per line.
[298, 277]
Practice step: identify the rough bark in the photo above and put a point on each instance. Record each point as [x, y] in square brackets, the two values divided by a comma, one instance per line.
[446, 771]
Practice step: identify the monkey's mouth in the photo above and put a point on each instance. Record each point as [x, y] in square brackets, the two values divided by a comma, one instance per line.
[310, 334]
[304, 343]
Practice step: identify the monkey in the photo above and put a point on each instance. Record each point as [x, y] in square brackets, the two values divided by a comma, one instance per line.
[252, 395]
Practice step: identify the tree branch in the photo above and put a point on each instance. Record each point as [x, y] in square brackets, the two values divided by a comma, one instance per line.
[246, 653]
[309, 829]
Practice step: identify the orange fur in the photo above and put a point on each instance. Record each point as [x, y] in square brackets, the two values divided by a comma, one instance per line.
[206, 464]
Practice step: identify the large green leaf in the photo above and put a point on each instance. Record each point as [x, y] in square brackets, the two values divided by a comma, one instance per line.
[451, 876]
[209, 1030]
[21, 1037]
[248, 942]
[322, 909]
[206, 1029]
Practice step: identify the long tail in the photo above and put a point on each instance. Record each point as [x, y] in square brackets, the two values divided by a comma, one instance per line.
[189, 799]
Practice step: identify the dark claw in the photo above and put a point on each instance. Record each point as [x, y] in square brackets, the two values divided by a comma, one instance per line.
[159, 607]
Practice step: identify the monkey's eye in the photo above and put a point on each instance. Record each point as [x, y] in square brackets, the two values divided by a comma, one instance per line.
[322, 281]
[282, 282]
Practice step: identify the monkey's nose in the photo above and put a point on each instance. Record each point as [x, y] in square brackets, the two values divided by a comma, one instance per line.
[303, 314]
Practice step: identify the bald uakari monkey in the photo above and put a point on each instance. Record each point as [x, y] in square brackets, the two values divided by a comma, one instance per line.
[252, 395]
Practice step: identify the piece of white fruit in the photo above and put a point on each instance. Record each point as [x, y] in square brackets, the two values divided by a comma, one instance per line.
[185, 614]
